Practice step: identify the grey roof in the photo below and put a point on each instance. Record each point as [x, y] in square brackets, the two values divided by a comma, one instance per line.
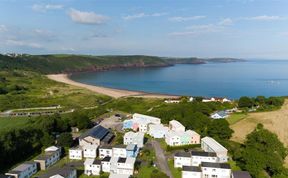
[22, 167]
[131, 147]
[241, 174]
[96, 161]
[222, 113]
[216, 165]
[202, 153]
[46, 156]
[98, 132]
[108, 137]
[192, 168]
[122, 160]
[61, 171]
[105, 147]
[4, 176]
[106, 159]
[120, 146]
[182, 154]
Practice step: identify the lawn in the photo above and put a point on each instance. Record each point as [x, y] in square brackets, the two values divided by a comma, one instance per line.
[175, 171]
[145, 171]
[12, 123]
[236, 117]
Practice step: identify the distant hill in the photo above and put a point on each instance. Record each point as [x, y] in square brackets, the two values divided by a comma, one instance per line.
[63, 63]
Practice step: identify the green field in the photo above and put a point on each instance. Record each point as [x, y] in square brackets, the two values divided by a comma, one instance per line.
[13, 123]
[235, 117]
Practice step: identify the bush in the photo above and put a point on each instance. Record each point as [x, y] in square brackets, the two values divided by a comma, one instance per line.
[172, 148]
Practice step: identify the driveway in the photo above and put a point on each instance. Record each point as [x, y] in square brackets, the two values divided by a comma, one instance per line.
[161, 159]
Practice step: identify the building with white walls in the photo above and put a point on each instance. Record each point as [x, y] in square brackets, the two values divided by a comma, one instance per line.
[208, 144]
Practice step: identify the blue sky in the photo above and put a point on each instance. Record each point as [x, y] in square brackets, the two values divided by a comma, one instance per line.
[202, 28]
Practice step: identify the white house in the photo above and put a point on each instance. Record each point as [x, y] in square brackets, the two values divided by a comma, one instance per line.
[90, 151]
[192, 172]
[119, 151]
[182, 159]
[191, 99]
[208, 144]
[157, 130]
[172, 101]
[76, 153]
[212, 170]
[198, 157]
[119, 176]
[50, 157]
[25, 170]
[176, 126]
[105, 151]
[126, 165]
[150, 119]
[134, 138]
[219, 115]
[172, 139]
[92, 167]
[106, 164]
[194, 137]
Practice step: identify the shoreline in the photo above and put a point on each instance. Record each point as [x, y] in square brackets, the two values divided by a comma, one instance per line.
[114, 93]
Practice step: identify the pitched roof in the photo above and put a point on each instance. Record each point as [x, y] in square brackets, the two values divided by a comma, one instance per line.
[192, 168]
[122, 160]
[65, 172]
[216, 165]
[96, 161]
[106, 159]
[105, 147]
[204, 154]
[182, 154]
[98, 132]
[120, 146]
[241, 174]
[214, 144]
[52, 148]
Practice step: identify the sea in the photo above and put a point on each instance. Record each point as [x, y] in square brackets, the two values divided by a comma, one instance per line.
[233, 80]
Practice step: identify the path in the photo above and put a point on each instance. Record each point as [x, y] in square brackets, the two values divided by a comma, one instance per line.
[161, 159]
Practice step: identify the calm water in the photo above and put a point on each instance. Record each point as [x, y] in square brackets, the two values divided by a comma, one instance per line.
[252, 78]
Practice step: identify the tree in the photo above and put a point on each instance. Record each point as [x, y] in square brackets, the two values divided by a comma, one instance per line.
[219, 129]
[245, 102]
[47, 140]
[65, 139]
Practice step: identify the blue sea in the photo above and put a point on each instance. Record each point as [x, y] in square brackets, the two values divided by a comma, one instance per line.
[233, 80]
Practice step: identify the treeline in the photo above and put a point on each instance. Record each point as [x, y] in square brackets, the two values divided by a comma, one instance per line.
[18, 145]
[261, 103]
[262, 154]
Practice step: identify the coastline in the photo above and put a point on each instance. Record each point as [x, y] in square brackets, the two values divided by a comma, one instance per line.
[115, 93]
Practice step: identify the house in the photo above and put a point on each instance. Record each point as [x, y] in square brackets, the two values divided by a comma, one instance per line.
[207, 100]
[225, 100]
[191, 99]
[220, 115]
[60, 173]
[92, 167]
[157, 130]
[172, 101]
[75, 129]
[132, 150]
[24, 170]
[119, 151]
[125, 166]
[76, 153]
[119, 176]
[211, 170]
[114, 165]
[51, 156]
[134, 138]
[194, 137]
[176, 126]
[127, 124]
[174, 138]
[199, 156]
[143, 126]
[105, 164]
[182, 159]
[191, 172]
[208, 144]
[150, 119]
[105, 151]
[96, 136]
[240, 174]
[90, 151]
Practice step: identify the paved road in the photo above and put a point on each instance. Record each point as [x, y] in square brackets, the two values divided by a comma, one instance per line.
[161, 159]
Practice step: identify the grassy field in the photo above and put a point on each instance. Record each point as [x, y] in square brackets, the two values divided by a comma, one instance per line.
[175, 171]
[235, 117]
[13, 123]
[275, 121]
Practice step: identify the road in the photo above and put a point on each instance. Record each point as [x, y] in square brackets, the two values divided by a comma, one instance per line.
[161, 159]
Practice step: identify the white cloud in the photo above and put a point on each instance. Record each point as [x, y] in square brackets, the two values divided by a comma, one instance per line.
[141, 15]
[12, 42]
[226, 22]
[46, 7]
[3, 28]
[264, 18]
[87, 17]
[183, 19]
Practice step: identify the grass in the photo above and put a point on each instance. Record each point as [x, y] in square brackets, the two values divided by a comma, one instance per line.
[145, 171]
[12, 123]
[236, 117]
[175, 171]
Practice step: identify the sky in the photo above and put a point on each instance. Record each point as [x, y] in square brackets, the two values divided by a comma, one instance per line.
[179, 28]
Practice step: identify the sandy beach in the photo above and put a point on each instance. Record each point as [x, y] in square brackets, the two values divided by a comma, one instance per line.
[115, 93]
